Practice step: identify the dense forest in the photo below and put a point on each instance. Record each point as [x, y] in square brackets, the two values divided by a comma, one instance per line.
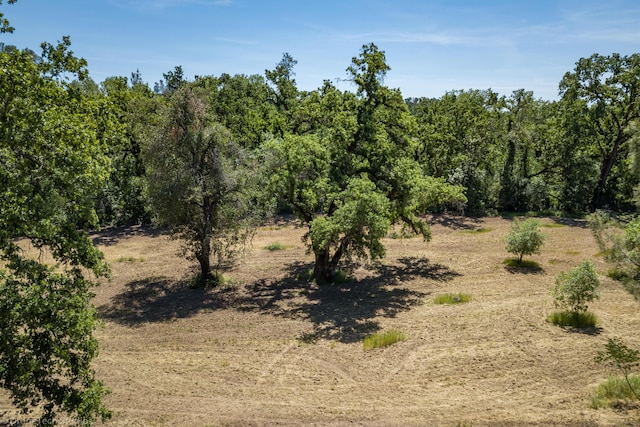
[212, 157]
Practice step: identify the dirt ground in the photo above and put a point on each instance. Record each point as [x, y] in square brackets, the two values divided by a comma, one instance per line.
[271, 348]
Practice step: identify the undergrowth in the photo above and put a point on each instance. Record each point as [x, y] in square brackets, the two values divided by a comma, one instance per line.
[579, 320]
[615, 393]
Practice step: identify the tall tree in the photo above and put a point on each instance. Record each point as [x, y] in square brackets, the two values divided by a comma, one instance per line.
[607, 89]
[198, 183]
[353, 177]
[51, 165]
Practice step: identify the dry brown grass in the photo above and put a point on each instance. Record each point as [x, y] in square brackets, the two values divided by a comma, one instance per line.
[271, 348]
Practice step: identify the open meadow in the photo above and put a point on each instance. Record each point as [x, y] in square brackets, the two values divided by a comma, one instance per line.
[269, 347]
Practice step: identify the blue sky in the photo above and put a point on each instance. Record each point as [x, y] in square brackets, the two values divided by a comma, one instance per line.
[432, 46]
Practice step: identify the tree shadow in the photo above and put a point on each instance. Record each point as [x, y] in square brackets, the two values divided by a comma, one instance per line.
[455, 222]
[110, 236]
[160, 299]
[514, 266]
[344, 312]
[592, 331]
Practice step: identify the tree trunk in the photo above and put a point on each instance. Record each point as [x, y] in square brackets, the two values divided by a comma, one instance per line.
[322, 271]
[605, 171]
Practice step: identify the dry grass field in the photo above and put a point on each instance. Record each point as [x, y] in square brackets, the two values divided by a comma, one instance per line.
[271, 348]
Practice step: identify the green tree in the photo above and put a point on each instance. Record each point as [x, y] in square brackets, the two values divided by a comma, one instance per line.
[460, 140]
[351, 176]
[575, 289]
[51, 165]
[524, 238]
[607, 90]
[199, 183]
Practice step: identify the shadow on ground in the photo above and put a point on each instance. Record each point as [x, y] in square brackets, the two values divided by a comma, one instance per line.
[110, 236]
[344, 312]
[160, 299]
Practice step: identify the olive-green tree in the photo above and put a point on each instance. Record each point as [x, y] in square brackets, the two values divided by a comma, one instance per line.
[199, 183]
[524, 238]
[351, 177]
[51, 166]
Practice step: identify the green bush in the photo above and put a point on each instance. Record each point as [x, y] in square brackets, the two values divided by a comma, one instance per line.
[452, 299]
[382, 339]
[524, 238]
[575, 289]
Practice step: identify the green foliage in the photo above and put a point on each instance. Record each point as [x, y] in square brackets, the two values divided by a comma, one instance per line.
[275, 246]
[621, 357]
[201, 183]
[524, 238]
[351, 176]
[606, 91]
[615, 392]
[620, 243]
[382, 339]
[451, 298]
[575, 289]
[52, 163]
[579, 320]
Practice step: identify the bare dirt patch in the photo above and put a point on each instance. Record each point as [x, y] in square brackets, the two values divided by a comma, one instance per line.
[271, 348]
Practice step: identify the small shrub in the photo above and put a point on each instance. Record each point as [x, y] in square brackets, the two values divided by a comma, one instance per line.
[524, 238]
[452, 299]
[571, 319]
[382, 339]
[615, 391]
[623, 358]
[575, 289]
[275, 246]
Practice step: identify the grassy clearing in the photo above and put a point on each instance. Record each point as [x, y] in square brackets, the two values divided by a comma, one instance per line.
[615, 393]
[382, 339]
[572, 319]
[452, 299]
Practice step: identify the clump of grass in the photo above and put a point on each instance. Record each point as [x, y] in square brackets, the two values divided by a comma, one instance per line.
[342, 276]
[130, 259]
[382, 339]
[213, 281]
[615, 392]
[275, 246]
[452, 299]
[581, 320]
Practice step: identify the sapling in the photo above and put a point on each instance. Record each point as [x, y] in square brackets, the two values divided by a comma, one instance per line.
[620, 356]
